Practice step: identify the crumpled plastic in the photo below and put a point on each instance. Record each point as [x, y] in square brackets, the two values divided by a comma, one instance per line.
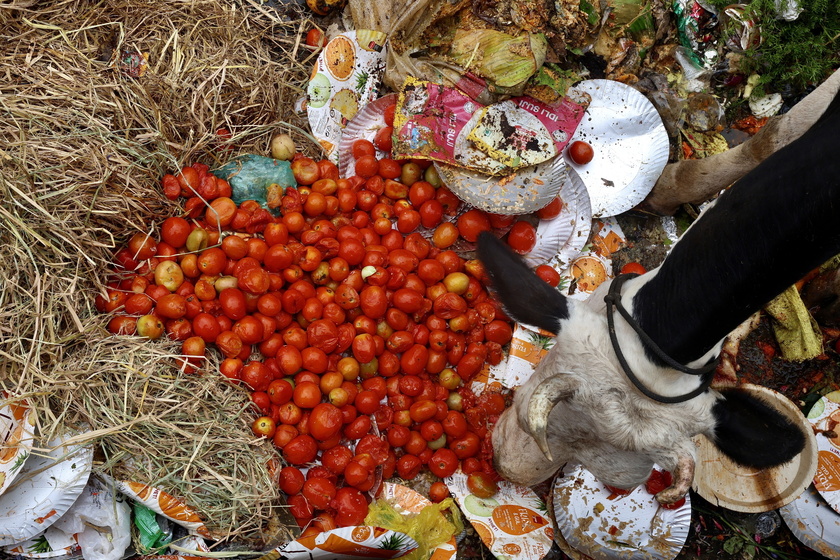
[433, 526]
[260, 178]
[797, 333]
[101, 520]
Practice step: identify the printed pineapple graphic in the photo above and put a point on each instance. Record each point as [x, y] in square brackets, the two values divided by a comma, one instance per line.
[395, 541]
[542, 342]
[40, 546]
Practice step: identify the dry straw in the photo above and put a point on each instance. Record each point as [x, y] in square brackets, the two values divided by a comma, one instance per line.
[83, 145]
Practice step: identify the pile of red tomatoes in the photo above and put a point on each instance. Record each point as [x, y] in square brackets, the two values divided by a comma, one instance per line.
[354, 332]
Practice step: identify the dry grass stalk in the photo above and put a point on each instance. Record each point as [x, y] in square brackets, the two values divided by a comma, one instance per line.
[82, 148]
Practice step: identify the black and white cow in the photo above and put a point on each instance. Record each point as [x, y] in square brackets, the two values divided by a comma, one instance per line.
[581, 406]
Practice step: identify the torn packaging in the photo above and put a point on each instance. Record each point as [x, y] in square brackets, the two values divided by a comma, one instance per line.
[773, 226]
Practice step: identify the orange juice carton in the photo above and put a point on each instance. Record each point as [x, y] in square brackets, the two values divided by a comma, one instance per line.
[346, 77]
[514, 523]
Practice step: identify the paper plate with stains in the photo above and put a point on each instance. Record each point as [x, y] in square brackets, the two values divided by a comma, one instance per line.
[46, 488]
[561, 239]
[522, 192]
[17, 433]
[824, 416]
[604, 526]
[748, 490]
[630, 143]
[814, 522]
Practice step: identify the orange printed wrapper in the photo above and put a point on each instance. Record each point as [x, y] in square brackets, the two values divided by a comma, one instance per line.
[164, 504]
[349, 543]
[513, 524]
[825, 417]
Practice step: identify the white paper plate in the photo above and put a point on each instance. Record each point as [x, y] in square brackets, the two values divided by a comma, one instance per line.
[526, 191]
[630, 143]
[17, 429]
[724, 483]
[365, 124]
[814, 522]
[631, 527]
[561, 239]
[47, 487]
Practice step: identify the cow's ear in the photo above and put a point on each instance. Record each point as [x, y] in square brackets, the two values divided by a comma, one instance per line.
[524, 295]
[752, 433]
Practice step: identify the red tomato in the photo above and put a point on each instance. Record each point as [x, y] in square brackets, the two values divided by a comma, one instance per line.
[522, 237]
[336, 459]
[390, 110]
[443, 463]
[291, 480]
[302, 449]
[408, 466]
[383, 139]
[233, 303]
[325, 421]
[438, 492]
[552, 210]
[374, 446]
[471, 223]
[633, 268]
[315, 38]
[350, 506]
[548, 275]
[367, 166]
[319, 492]
[581, 152]
[175, 231]
[362, 147]
[482, 485]
[658, 481]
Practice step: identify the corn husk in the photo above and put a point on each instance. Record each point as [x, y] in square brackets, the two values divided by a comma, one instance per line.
[507, 60]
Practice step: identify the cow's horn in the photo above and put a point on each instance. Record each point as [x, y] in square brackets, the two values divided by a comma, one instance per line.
[543, 400]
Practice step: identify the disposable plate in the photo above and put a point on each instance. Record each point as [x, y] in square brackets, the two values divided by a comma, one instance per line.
[46, 488]
[17, 429]
[814, 522]
[630, 143]
[525, 191]
[727, 484]
[631, 526]
[561, 239]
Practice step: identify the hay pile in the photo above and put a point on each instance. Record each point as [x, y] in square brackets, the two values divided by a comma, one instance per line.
[83, 144]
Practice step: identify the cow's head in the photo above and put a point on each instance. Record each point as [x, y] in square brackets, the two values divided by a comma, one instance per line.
[580, 407]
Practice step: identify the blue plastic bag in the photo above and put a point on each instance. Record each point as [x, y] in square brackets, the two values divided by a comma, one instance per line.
[259, 178]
